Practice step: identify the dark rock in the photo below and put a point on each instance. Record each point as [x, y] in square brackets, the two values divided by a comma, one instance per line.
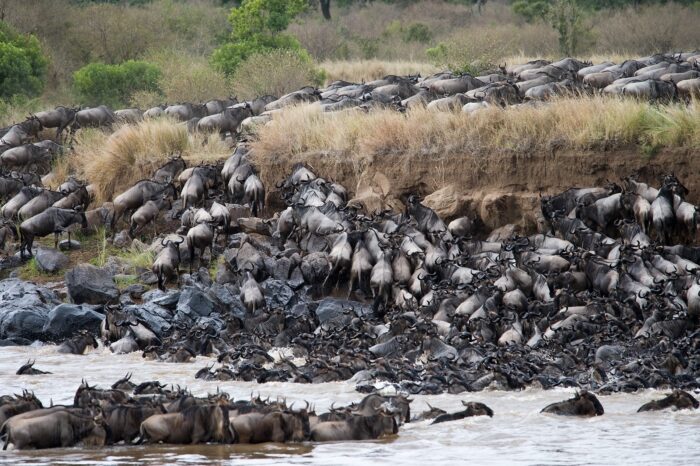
[340, 310]
[148, 278]
[224, 275]
[194, 303]
[122, 239]
[228, 297]
[277, 293]
[153, 316]
[72, 245]
[91, 285]
[50, 260]
[315, 267]
[282, 268]
[135, 291]
[65, 319]
[167, 299]
[254, 225]
[24, 309]
[296, 281]
[16, 341]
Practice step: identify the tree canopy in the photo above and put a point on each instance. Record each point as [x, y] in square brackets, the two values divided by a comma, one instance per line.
[22, 64]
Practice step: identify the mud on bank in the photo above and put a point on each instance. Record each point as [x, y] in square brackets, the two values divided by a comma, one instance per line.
[499, 188]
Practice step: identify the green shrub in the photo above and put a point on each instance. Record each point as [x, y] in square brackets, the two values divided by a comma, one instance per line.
[113, 85]
[417, 32]
[22, 64]
[276, 72]
[472, 53]
[257, 28]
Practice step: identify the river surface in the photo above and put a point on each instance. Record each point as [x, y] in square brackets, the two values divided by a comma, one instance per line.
[517, 434]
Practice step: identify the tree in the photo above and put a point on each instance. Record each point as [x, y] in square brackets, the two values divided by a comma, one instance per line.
[22, 64]
[257, 27]
[565, 16]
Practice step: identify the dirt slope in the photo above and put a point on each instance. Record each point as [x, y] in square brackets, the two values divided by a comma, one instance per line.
[499, 188]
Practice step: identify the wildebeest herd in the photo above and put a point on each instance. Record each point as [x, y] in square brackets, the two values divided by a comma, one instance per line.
[605, 298]
[151, 413]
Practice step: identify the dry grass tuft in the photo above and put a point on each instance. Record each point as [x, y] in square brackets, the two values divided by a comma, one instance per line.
[113, 162]
[368, 70]
[569, 122]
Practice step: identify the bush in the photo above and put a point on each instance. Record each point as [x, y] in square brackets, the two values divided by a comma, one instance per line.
[473, 53]
[276, 72]
[22, 64]
[113, 85]
[257, 27]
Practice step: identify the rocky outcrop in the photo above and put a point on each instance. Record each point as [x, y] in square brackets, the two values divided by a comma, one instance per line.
[24, 310]
[91, 285]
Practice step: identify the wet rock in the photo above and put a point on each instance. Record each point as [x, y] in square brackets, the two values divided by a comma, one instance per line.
[227, 295]
[69, 245]
[167, 299]
[282, 268]
[195, 303]
[157, 318]
[50, 260]
[91, 285]
[340, 310]
[224, 275]
[296, 281]
[254, 225]
[135, 291]
[65, 319]
[24, 309]
[122, 239]
[148, 278]
[277, 293]
[315, 267]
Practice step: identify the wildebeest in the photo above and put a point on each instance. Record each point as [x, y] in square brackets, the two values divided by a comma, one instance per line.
[78, 344]
[25, 156]
[356, 427]
[94, 117]
[169, 171]
[167, 262]
[60, 118]
[472, 409]
[148, 213]
[197, 424]
[280, 427]
[52, 220]
[137, 195]
[124, 422]
[678, 399]
[226, 121]
[28, 369]
[583, 404]
[60, 428]
[21, 133]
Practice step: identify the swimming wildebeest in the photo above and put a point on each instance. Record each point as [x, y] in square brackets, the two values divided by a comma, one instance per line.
[583, 404]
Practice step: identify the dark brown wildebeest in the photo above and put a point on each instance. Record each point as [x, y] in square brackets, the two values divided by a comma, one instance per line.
[472, 409]
[279, 426]
[355, 428]
[124, 422]
[86, 395]
[196, 424]
[679, 399]
[59, 428]
[583, 404]
[28, 369]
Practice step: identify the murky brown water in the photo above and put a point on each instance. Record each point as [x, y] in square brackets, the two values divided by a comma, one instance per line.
[517, 434]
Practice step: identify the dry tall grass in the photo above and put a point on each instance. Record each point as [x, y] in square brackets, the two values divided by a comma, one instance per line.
[113, 162]
[367, 70]
[567, 122]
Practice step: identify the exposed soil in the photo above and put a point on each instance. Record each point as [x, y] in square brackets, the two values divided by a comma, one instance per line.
[499, 188]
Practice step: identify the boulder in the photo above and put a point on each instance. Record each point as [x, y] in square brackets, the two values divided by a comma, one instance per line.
[91, 285]
[122, 239]
[340, 311]
[195, 303]
[50, 260]
[24, 309]
[277, 293]
[315, 267]
[157, 318]
[69, 245]
[254, 225]
[65, 319]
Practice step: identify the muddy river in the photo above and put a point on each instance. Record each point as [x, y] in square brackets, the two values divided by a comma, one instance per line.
[517, 434]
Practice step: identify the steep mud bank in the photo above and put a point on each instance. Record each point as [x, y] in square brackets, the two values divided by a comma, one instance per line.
[499, 188]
